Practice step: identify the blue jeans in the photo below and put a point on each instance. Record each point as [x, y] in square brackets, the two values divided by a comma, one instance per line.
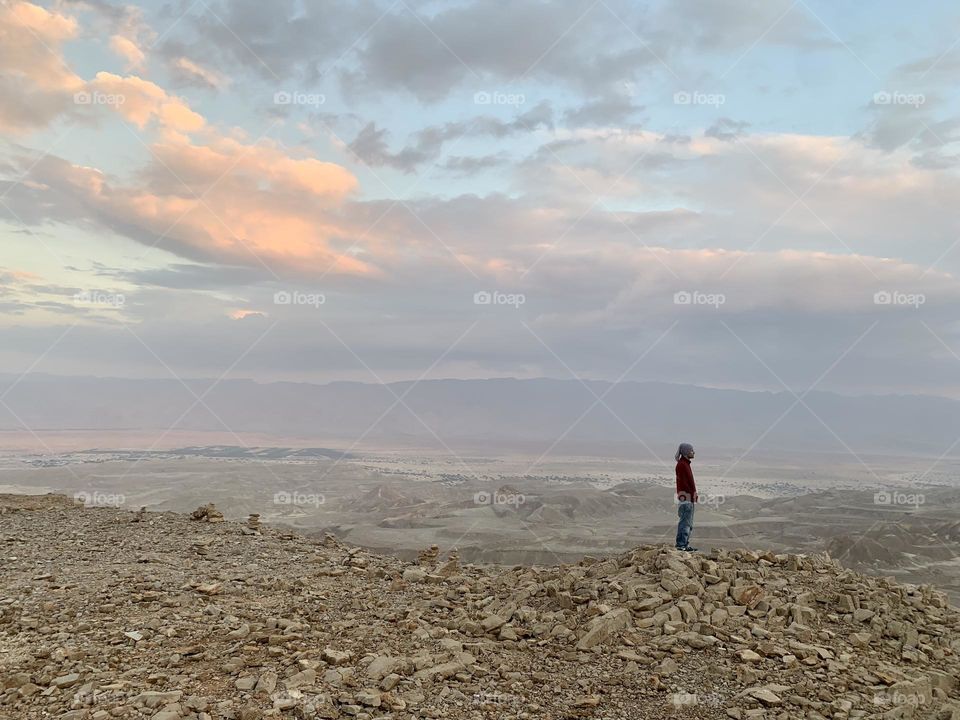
[685, 526]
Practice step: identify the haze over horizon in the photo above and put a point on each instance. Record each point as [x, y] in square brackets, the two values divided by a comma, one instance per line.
[494, 416]
[16, 378]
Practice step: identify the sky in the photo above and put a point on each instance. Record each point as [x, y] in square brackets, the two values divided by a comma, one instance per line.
[755, 194]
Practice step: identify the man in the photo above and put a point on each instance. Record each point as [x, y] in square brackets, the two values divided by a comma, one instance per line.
[686, 496]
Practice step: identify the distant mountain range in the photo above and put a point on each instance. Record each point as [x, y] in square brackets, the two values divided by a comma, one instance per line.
[492, 414]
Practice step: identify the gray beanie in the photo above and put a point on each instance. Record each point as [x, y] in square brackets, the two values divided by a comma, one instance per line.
[683, 451]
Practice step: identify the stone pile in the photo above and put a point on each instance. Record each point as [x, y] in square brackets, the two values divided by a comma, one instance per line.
[429, 555]
[207, 513]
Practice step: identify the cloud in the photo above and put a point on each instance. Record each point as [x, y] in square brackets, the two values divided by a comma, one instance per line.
[266, 209]
[726, 129]
[379, 46]
[27, 294]
[764, 190]
[187, 276]
[477, 43]
[565, 197]
[130, 32]
[614, 109]
[370, 145]
[913, 116]
[140, 101]
[939, 65]
[36, 85]
[432, 51]
[189, 73]
[465, 166]
[213, 198]
[274, 41]
[128, 50]
[752, 283]
[597, 309]
[897, 125]
[247, 314]
[224, 201]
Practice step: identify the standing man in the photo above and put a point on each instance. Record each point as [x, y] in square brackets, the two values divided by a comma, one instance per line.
[686, 496]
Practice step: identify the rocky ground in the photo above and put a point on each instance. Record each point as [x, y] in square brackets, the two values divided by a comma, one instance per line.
[499, 512]
[107, 613]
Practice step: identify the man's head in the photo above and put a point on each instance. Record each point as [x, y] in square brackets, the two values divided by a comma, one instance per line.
[685, 451]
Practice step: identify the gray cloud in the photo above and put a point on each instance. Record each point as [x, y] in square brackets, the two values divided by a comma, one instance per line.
[613, 109]
[937, 66]
[185, 73]
[430, 50]
[182, 276]
[465, 165]
[726, 129]
[598, 311]
[275, 41]
[34, 107]
[479, 40]
[371, 147]
[13, 308]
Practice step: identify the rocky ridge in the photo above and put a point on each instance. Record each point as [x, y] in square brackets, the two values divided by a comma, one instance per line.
[106, 613]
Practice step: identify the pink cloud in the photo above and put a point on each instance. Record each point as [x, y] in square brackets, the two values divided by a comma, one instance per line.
[36, 85]
[226, 202]
[128, 50]
[259, 205]
[197, 74]
[141, 101]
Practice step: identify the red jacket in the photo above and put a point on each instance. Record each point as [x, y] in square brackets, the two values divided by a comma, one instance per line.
[686, 487]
